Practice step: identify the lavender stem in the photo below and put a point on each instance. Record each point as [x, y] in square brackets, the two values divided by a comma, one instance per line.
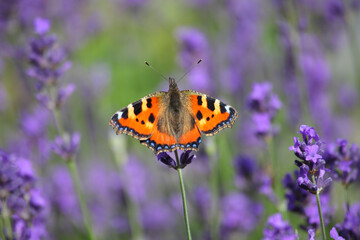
[183, 194]
[2, 234]
[320, 211]
[75, 176]
[7, 219]
[73, 169]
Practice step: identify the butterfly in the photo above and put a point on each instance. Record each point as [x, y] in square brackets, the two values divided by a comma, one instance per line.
[167, 121]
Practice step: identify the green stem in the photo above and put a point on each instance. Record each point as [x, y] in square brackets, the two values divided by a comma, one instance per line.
[132, 207]
[2, 229]
[320, 211]
[75, 177]
[274, 168]
[72, 167]
[183, 194]
[214, 183]
[7, 219]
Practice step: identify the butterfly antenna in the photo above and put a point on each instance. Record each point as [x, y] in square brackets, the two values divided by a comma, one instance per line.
[148, 64]
[193, 66]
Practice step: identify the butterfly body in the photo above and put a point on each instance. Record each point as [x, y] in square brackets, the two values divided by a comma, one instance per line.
[166, 121]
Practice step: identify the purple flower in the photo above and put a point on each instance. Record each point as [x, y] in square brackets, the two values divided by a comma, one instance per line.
[311, 161]
[310, 149]
[157, 216]
[134, 186]
[35, 124]
[24, 200]
[67, 145]
[335, 10]
[335, 235]
[312, 214]
[343, 159]
[62, 195]
[300, 201]
[290, 82]
[349, 228]
[277, 228]
[296, 196]
[185, 159]
[312, 153]
[251, 178]
[239, 213]
[311, 233]
[317, 74]
[242, 50]
[264, 105]
[202, 199]
[304, 182]
[41, 26]
[47, 60]
[64, 93]
[104, 187]
[194, 46]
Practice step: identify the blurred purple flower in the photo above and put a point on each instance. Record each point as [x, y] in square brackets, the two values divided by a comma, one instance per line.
[290, 85]
[62, 195]
[158, 216]
[296, 196]
[67, 145]
[317, 74]
[349, 228]
[201, 197]
[311, 233]
[239, 213]
[348, 96]
[312, 214]
[47, 60]
[343, 159]
[251, 178]
[104, 187]
[135, 176]
[22, 197]
[300, 201]
[264, 105]
[243, 51]
[185, 159]
[335, 10]
[193, 47]
[277, 228]
[41, 25]
[335, 235]
[64, 93]
[35, 124]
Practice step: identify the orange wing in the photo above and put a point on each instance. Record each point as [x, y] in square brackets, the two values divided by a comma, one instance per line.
[211, 114]
[138, 119]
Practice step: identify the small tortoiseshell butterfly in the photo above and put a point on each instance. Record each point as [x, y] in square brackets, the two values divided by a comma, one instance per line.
[166, 121]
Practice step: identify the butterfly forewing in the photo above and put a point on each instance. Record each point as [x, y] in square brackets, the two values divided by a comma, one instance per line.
[211, 114]
[138, 119]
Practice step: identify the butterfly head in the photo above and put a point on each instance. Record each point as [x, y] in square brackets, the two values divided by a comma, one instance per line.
[172, 83]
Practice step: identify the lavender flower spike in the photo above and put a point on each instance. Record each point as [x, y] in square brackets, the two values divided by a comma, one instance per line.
[67, 145]
[277, 228]
[185, 159]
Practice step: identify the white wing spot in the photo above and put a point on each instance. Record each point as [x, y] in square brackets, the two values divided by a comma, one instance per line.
[227, 108]
[119, 114]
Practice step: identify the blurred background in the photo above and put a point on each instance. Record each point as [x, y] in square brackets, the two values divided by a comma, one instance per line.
[299, 58]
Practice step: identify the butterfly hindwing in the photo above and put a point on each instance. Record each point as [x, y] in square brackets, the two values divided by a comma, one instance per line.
[211, 114]
[138, 119]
